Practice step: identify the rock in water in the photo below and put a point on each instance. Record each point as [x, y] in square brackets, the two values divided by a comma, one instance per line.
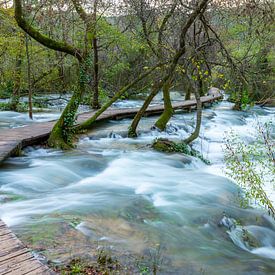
[227, 222]
[249, 239]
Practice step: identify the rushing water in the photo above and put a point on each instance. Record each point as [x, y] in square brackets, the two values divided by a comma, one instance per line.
[117, 193]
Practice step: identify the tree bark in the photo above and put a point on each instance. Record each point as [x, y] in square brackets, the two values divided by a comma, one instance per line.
[196, 132]
[29, 77]
[88, 123]
[17, 76]
[60, 135]
[132, 132]
[169, 73]
[41, 38]
[168, 108]
[95, 102]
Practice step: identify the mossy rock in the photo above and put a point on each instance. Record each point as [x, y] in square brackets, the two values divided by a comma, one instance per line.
[168, 146]
[140, 210]
[164, 145]
[249, 239]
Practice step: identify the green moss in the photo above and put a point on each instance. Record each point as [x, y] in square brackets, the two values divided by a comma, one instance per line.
[164, 118]
[168, 146]
[249, 239]
[132, 133]
[104, 264]
[56, 139]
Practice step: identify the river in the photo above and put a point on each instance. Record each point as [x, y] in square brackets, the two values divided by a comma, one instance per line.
[116, 193]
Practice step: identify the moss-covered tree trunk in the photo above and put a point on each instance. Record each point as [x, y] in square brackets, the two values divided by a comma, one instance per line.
[196, 132]
[168, 108]
[132, 132]
[239, 99]
[62, 133]
[187, 93]
[200, 8]
[89, 122]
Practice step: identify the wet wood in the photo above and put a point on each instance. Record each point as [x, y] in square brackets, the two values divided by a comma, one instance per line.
[15, 258]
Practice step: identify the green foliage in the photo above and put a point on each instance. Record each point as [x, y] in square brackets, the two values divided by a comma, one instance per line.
[22, 107]
[67, 130]
[248, 37]
[6, 89]
[252, 165]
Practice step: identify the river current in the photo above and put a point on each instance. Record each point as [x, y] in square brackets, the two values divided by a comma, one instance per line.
[117, 194]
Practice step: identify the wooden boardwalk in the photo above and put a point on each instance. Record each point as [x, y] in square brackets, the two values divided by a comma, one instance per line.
[15, 258]
[13, 140]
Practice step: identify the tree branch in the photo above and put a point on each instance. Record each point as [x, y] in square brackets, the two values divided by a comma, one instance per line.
[41, 38]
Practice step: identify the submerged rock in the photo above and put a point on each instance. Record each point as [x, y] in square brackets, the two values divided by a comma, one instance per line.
[249, 239]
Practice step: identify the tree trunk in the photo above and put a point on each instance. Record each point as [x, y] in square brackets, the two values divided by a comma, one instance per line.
[196, 132]
[132, 132]
[88, 123]
[200, 84]
[168, 108]
[62, 133]
[17, 76]
[170, 72]
[61, 72]
[188, 94]
[29, 77]
[95, 102]
[239, 98]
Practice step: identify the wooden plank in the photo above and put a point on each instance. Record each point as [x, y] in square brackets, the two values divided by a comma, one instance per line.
[29, 135]
[6, 256]
[15, 258]
[11, 246]
[15, 261]
[42, 271]
[22, 268]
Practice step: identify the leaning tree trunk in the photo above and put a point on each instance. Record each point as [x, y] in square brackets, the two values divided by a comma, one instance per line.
[168, 108]
[132, 132]
[200, 8]
[59, 136]
[88, 123]
[196, 132]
